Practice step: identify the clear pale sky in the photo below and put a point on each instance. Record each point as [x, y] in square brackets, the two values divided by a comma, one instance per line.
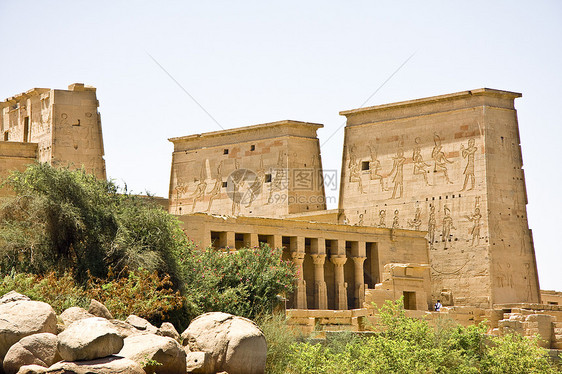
[254, 62]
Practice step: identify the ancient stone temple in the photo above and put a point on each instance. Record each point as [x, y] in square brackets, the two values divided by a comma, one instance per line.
[450, 165]
[60, 127]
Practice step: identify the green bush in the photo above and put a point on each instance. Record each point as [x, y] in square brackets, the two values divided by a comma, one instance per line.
[408, 345]
[246, 282]
[67, 220]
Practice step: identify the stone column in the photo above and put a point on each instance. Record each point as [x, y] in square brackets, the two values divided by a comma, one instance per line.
[300, 292]
[276, 241]
[251, 240]
[231, 240]
[359, 281]
[320, 291]
[341, 286]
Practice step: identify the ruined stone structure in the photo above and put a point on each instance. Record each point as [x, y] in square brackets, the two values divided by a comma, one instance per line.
[60, 127]
[450, 165]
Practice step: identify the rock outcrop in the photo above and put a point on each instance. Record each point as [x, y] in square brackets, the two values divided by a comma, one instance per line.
[89, 339]
[234, 344]
[36, 349]
[148, 348]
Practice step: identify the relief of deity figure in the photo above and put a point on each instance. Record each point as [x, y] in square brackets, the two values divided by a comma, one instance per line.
[199, 192]
[375, 168]
[475, 219]
[395, 220]
[398, 170]
[217, 187]
[382, 218]
[419, 164]
[354, 170]
[416, 222]
[469, 154]
[447, 226]
[440, 159]
[431, 225]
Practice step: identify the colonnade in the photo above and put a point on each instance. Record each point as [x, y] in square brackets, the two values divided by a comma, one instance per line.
[318, 251]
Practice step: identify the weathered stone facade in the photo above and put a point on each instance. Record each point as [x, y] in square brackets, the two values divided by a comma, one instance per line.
[64, 124]
[450, 165]
[268, 170]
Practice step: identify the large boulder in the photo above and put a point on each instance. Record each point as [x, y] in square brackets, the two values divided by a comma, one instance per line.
[235, 344]
[105, 365]
[89, 339]
[23, 318]
[149, 347]
[167, 329]
[141, 324]
[13, 296]
[99, 310]
[198, 362]
[124, 329]
[37, 349]
[73, 314]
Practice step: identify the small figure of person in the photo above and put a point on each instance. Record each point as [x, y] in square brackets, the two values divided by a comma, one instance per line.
[438, 306]
[419, 164]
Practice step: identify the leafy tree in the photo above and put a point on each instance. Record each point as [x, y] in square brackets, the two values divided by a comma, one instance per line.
[60, 219]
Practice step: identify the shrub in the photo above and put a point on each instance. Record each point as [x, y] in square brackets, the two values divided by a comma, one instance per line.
[246, 282]
[279, 337]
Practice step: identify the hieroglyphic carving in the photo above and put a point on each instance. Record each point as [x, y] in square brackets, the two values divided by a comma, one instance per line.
[199, 192]
[419, 164]
[431, 225]
[217, 187]
[469, 153]
[63, 119]
[355, 170]
[375, 167]
[398, 170]
[360, 222]
[382, 218]
[475, 219]
[439, 158]
[447, 226]
[416, 222]
[396, 220]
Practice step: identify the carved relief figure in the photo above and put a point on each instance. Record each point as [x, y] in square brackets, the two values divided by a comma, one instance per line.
[398, 170]
[199, 193]
[237, 179]
[447, 225]
[416, 222]
[396, 220]
[419, 164]
[375, 168]
[440, 159]
[469, 154]
[217, 187]
[382, 218]
[354, 170]
[360, 223]
[256, 186]
[431, 225]
[475, 219]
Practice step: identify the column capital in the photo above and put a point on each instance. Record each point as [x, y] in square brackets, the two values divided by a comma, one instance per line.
[359, 259]
[338, 260]
[318, 259]
[298, 257]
